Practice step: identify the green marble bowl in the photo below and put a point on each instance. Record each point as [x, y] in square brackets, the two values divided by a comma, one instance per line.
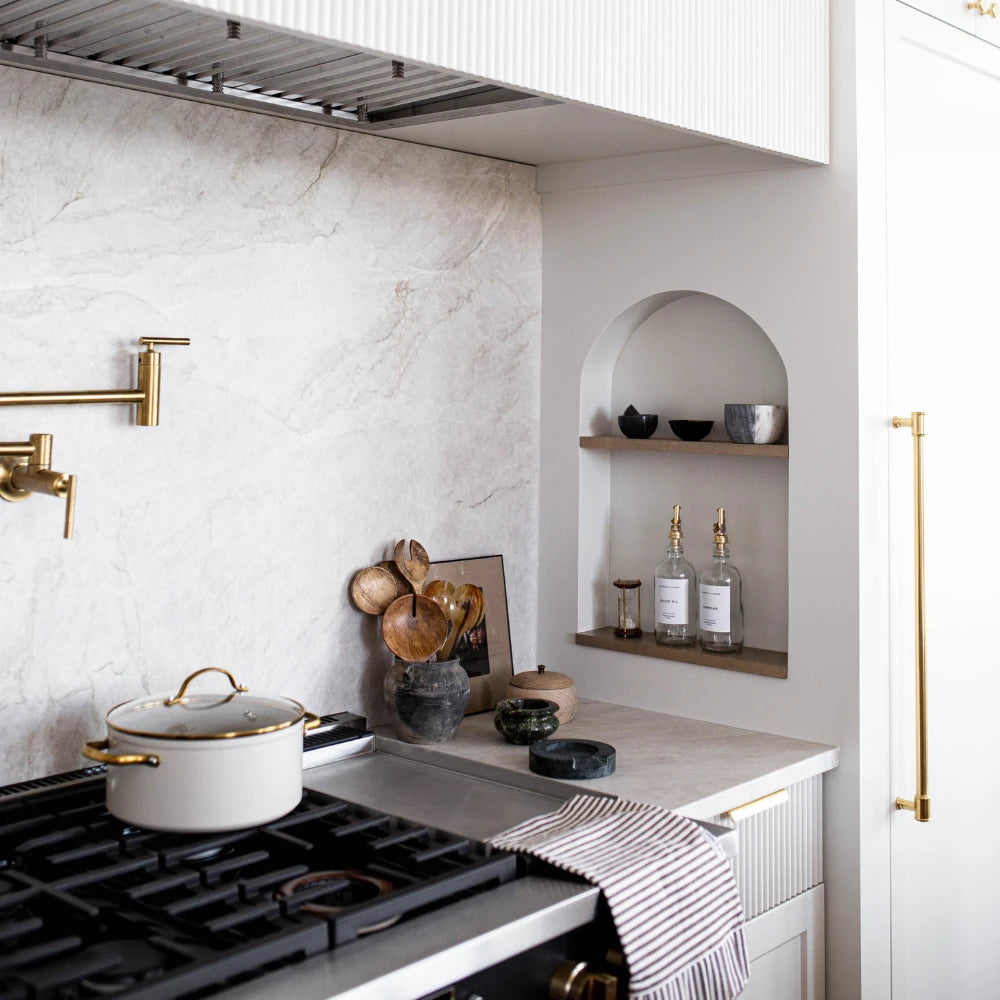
[524, 720]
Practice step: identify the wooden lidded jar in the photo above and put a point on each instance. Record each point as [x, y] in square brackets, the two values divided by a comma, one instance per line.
[550, 685]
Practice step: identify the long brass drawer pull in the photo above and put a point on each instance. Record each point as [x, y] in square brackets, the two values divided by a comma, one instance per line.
[920, 804]
[760, 805]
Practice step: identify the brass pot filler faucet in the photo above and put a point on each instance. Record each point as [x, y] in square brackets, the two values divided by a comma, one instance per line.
[26, 466]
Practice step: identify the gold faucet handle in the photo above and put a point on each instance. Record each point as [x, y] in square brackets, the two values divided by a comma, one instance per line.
[70, 506]
[147, 411]
[151, 342]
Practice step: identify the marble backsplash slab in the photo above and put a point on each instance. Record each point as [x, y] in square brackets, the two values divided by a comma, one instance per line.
[364, 317]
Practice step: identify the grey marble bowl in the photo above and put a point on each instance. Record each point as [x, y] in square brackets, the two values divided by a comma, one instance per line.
[755, 423]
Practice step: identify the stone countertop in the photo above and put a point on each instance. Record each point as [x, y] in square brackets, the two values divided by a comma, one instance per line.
[699, 769]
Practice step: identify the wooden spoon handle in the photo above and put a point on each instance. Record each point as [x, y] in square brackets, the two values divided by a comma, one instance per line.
[456, 633]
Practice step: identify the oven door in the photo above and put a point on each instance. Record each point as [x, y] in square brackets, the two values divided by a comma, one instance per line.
[552, 970]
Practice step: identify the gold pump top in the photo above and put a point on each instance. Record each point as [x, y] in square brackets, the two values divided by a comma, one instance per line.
[720, 537]
[675, 525]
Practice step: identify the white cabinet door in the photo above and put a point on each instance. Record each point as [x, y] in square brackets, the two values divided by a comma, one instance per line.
[785, 947]
[943, 155]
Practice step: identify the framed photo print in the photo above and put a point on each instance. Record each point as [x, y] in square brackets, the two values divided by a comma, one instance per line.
[484, 650]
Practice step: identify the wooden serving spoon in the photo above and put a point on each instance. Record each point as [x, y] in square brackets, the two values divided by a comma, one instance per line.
[414, 628]
[470, 611]
[402, 586]
[470, 593]
[414, 569]
[445, 597]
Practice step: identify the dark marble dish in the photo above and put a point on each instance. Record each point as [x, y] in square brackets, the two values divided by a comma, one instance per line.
[638, 425]
[692, 430]
[573, 759]
[525, 720]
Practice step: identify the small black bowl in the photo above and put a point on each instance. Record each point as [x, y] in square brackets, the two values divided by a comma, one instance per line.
[692, 430]
[638, 425]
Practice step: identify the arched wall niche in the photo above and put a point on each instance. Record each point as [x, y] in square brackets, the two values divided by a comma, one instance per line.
[681, 353]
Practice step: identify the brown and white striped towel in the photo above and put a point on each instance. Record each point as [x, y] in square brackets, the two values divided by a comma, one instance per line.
[669, 887]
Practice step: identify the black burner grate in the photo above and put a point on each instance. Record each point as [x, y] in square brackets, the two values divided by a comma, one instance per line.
[91, 907]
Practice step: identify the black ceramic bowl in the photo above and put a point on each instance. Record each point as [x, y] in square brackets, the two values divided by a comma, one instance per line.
[639, 425]
[692, 430]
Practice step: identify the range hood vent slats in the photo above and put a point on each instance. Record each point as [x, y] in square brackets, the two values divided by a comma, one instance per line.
[161, 47]
[63, 18]
[312, 79]
[88, 40]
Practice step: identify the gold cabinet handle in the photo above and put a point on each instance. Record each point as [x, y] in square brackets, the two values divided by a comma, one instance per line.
[920, 804]
[983, 7]
[98, 750]
[760, 805]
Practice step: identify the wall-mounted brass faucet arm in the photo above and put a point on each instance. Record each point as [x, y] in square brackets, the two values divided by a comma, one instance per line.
[25, 468]
[146, 395]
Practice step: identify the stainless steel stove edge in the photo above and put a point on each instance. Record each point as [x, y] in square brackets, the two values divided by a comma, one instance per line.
[338, 751]
[431, 952]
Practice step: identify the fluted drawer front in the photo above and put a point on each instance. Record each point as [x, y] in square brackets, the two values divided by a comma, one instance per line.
[750, 71]
[781, 849]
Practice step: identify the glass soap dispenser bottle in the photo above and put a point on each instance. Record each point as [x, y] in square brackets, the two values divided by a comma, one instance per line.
[721, 598]
[676, 616]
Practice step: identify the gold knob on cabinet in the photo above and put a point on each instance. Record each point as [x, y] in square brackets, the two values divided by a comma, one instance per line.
[983, 7]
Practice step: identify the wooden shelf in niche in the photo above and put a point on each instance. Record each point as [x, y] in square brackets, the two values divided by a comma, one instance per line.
[610, 443]
[765, 662]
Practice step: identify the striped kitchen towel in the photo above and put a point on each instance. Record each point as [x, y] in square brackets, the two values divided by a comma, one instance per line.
[669, 887]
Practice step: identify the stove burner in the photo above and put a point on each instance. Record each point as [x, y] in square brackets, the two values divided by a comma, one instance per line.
[359, 888]
[134, 961]
[206, 854]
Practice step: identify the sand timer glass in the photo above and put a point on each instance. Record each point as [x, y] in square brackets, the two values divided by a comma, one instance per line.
[628, 625]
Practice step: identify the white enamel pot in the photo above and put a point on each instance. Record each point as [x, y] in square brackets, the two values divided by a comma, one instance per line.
[200, 763]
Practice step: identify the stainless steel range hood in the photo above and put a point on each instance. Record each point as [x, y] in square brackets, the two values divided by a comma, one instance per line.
[203, 56]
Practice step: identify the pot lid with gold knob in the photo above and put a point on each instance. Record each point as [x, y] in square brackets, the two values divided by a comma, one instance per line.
[541, 680]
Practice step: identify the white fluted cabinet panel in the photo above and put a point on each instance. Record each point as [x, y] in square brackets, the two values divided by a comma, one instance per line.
[754, 72]
[781, 849]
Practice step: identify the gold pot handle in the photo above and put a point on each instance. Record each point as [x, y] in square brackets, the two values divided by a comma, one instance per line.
[98, 750]
[204, 670]
[312, 721]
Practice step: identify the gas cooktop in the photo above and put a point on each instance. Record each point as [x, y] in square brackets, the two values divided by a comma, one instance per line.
[91, 907]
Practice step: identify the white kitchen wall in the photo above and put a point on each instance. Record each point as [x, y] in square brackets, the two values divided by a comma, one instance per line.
[364, 366]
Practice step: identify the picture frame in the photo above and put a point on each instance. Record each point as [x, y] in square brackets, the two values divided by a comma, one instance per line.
[486, 652]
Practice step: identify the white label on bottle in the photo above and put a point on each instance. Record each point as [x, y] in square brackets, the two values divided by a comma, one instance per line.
[714, 608]
[671, 602]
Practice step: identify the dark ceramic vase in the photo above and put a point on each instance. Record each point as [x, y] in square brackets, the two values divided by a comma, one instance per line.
[426, 701]
[524, 720]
